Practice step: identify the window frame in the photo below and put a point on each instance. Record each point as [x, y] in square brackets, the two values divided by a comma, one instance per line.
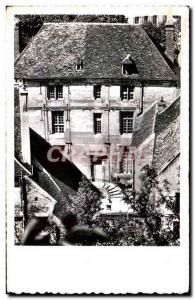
[79, 64]
[97, 91]
[126, 122]
[55, 93]
[97, 121]
[57, 122]
[128, 94]
[136, 20]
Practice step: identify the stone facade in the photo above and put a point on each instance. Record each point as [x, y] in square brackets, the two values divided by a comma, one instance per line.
[79, 102]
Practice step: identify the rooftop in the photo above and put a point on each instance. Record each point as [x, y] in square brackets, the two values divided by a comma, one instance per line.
[54, 50]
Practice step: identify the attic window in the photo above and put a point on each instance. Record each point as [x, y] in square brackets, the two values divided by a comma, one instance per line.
[79, 64]
[128, 66]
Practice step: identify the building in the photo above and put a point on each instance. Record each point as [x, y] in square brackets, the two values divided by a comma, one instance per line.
[154, 19]
[83, 85]
[42, 188]
[156, 142]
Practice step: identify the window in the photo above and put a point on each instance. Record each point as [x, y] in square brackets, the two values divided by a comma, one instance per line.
[154, 20]
[145, 18]
[128, 66]
[97, 123]
[59, 91]
[58, 122]
[97, 91]
[79, 64]
[55, 92]
[127, 92]
[126, 122]
[108, 207]
[136, 20]
[126, 162]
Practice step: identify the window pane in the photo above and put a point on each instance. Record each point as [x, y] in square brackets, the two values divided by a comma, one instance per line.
[97, 91]
[59, 91]
[51, 93]
[126, 122]
[97, 123]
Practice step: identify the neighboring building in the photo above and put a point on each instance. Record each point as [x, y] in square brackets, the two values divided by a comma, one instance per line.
[154, 19]
[84, 84]
[156, 142]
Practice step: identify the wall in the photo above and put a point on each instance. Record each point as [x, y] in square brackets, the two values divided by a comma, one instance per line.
[38, 200]
[152, 94]
[143, 156]
[171, 174]
[81, 119]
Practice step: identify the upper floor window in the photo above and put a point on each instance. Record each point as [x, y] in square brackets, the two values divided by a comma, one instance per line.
[97, 123]
[127, 92]
[128, 66]
[126, 122]
[55, 91]
[57, 122]
[136, 20]
[97, 91]
[79, 64]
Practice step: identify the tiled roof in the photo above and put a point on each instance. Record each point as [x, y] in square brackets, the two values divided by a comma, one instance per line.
[167, 136]
[144, 126]
[167, 116]
[53, 52]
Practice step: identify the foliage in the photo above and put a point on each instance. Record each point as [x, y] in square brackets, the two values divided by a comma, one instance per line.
[30, 24]
[150, 210]
[157, 33]
[86, 204]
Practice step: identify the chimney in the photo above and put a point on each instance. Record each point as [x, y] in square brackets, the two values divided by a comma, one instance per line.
[16, 39]
[161, 105]
[170, 43]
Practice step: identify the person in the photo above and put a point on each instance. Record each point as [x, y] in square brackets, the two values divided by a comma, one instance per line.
[38, 231]
[81, 235]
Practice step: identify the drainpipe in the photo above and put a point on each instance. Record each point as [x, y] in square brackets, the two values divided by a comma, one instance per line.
[141, 109]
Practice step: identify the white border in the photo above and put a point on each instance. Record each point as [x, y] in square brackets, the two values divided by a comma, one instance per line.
[99, 269]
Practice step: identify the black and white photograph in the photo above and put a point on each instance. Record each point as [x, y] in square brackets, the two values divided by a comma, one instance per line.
[97, 131]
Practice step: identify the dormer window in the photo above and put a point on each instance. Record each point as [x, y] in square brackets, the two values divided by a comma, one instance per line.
[128, 66]
[79, 64]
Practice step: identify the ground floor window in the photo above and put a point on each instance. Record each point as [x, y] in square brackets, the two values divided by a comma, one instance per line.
[57, 122]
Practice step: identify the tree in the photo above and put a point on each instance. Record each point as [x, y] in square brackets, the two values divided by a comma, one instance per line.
[158, 34]
[30, 24]
[151, 212]
[86, 204]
